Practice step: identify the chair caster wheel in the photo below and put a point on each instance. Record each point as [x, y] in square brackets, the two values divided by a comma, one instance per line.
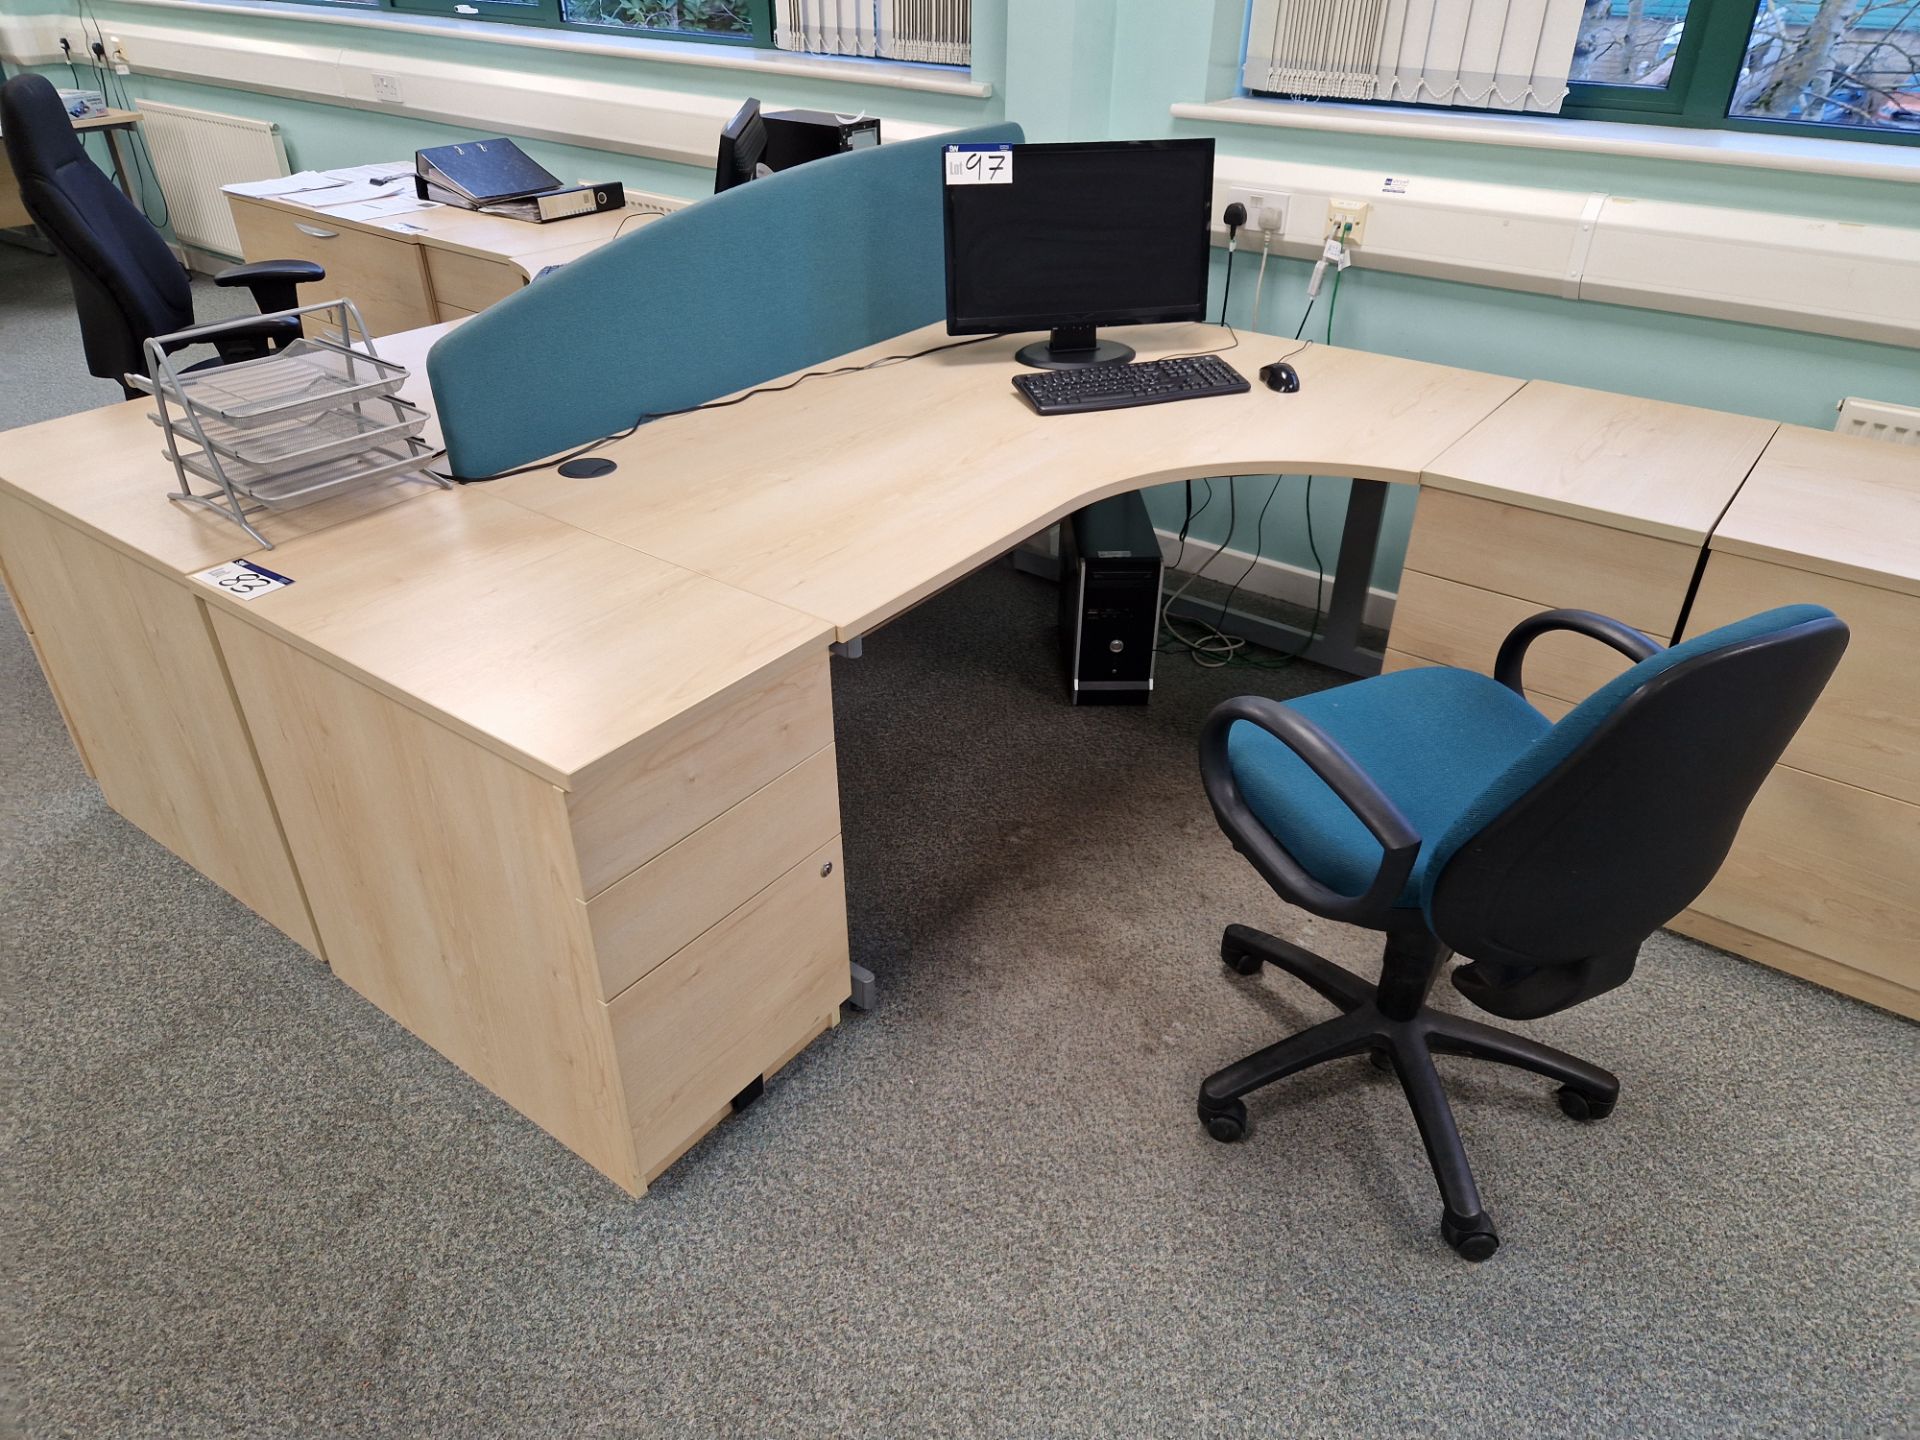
[1382, 1061]
[1473, 1238]
[1578, 1105]
[1240, 962]
[1225, 1123]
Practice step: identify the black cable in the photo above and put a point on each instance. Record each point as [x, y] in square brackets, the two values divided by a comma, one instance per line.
[740, 399]
[1305, 316]
[1259, 544]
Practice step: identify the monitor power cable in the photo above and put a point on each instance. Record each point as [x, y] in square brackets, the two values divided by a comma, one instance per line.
[740, 399]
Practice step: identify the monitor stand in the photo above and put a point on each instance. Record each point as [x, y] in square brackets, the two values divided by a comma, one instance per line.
[1070, 347]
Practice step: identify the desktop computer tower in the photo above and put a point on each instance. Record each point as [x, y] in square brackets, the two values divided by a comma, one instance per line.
[797, 136]
[1109, 602]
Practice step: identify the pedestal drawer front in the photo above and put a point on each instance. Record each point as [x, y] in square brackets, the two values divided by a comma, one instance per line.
[469, 283]
[671, 900]
[383, 275]
[1551, 559]
[1829, 868]
[1449, 623]
[1865, 728]
[640, 804]
[735, 1004]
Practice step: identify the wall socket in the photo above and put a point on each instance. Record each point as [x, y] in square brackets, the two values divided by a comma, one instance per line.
[1273, 203]
[386, 88]
[1343, 212]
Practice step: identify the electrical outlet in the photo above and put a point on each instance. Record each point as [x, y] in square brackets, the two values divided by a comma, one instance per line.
[386, 88]
[1266, 210]
[1341, 213]
[118, 52]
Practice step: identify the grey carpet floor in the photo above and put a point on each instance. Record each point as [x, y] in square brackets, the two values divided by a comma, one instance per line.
[240, 1202]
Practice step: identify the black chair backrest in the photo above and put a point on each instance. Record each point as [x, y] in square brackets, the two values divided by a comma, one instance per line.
[1631, 803]
[126, 284]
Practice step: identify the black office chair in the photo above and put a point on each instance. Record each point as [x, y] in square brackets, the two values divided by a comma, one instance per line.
[126, 284]
[1438, 806]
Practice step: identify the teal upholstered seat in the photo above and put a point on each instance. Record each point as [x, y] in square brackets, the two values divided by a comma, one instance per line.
[743, 286]
[1432, 739]
[1451, 748]
[1541, 856]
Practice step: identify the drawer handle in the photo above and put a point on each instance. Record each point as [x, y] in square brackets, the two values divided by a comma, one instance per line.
[316, 232]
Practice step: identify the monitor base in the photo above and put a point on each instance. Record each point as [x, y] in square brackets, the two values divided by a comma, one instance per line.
[1070, 347]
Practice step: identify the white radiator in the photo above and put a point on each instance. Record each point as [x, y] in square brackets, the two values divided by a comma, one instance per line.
[1879, 420]
[195, 152]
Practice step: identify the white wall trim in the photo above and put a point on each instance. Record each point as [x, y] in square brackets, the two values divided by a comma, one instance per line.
[630, 119]
[1860, 160]
[1275, 579]
[887, 74]
[1815, 274]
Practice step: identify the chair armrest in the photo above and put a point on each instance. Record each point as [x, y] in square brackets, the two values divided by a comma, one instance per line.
[1513, 650]
[1399, 841]
[272, 281]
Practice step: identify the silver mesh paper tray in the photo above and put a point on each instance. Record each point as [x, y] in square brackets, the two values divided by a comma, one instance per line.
[314, 419]
[311, 439]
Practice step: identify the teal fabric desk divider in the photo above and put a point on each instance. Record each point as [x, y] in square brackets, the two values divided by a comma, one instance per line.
[760, 280]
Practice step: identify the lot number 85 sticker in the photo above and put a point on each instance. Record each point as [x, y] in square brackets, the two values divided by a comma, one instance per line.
[243, 580]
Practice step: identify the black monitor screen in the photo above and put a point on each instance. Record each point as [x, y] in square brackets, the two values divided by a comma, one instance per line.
[1111, 233]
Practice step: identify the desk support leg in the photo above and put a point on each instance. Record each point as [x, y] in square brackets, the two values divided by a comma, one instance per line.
[120, 164]
[1338, 644]
[865, 991]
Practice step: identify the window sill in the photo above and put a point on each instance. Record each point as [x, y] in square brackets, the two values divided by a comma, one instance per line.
[885, 74]
[1544, 132]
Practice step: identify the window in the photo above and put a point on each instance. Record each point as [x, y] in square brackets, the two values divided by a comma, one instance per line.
[1851, 67]
[1847, 68]
[739, 22]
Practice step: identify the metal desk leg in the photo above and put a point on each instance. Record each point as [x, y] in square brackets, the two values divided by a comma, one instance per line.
[1339, 642]
[1337, 646]
[119, 162]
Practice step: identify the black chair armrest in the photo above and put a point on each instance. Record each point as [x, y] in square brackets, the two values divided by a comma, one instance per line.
[272, 281]
[1399, 841]
[1513, 650]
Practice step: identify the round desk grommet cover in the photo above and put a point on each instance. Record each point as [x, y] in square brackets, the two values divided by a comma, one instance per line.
[588, 467]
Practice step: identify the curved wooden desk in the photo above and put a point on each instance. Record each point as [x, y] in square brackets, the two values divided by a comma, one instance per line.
[544, 767]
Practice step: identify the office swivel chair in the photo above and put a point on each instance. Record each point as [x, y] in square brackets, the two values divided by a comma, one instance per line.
[1438, 806]
[126, 284]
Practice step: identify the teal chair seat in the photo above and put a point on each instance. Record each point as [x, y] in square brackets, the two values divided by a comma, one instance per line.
[1432, 739]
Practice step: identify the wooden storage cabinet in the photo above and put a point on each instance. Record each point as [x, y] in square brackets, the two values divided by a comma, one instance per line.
[447, 881]
[666, 904]
[732, 1006]
[133, 667]
[1824, 879]
[466, 284]
[384, 275]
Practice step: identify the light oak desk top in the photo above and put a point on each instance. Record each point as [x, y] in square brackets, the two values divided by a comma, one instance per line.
[853, 497]
[1837, 505]
[107, 470]
[470, 232]
[554, 620]
[1648, 466]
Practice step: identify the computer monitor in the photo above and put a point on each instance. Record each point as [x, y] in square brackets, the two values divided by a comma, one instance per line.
[743, 148]
[1075, 237]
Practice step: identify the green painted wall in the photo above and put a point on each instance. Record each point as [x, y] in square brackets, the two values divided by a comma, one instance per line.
[1085, 69]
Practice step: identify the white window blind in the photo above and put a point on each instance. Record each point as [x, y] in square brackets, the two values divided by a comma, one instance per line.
[937, 32]
[1485, 54]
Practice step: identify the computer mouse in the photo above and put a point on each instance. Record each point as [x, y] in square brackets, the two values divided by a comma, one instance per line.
[1280, 376]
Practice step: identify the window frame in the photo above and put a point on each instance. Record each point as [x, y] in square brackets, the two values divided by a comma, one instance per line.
[1699, 91]
[546, 15]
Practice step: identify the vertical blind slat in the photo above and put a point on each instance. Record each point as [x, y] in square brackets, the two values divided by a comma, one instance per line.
[1494, 54]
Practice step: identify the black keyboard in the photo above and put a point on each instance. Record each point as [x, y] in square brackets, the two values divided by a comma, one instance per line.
[1115, 387]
